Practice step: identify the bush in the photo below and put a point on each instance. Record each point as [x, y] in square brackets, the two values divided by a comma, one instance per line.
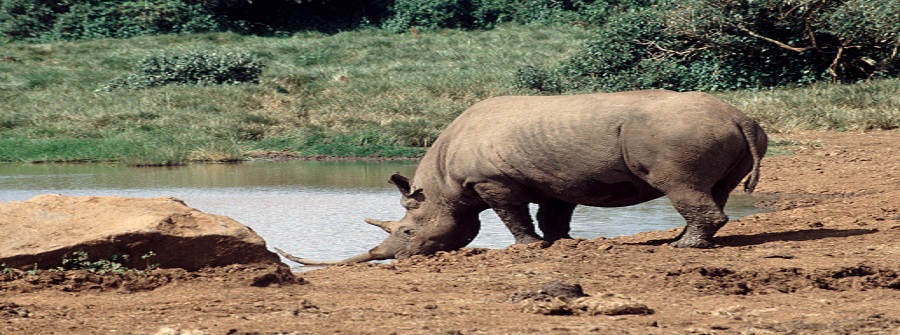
[733, 44]
[485, 14]
[80, 260]
[194, 67]
[430, 14]
[25, 19]
[44, 20]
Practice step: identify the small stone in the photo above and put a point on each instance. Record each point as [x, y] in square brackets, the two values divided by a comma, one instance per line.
[563, 290]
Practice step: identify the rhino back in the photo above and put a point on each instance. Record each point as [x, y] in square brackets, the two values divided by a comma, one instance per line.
[580, 144]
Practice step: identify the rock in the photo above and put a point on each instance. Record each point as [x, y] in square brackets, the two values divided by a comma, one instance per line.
[609, 304]
[563, 290]
[558, 298]
[42, 231]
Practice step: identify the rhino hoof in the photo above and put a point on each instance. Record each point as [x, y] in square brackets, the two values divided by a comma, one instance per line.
[693, 243]
[529, 240]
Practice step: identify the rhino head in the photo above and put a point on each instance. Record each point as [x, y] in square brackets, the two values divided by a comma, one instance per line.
[430, 225]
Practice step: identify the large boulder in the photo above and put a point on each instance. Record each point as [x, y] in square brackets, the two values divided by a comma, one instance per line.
[42, 231]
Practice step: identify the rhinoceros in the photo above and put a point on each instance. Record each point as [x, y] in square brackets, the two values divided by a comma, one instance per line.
[605, 150]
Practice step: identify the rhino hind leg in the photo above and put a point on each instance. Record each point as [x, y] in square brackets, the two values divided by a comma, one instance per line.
[555, 218]
[704, 217]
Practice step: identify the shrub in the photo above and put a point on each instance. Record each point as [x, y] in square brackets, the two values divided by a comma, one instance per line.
[25, 19]
[194, 67]
[79, 260]
[274, 17]
[733, 44]
[430, 14]
[44, 20]
[485, 14]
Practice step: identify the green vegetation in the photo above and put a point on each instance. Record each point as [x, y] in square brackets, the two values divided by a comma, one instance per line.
[41, 20]
[198, 67]
[46, 20]
[712, 45]
[485, 14]
[80, 260]
[357, 93]
[392, 82]
[822, 106]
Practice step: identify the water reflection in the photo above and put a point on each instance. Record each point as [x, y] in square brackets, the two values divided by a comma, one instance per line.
[313, 209]
[313, 174]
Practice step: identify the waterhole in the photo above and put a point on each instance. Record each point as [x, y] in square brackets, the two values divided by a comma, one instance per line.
[311, 209]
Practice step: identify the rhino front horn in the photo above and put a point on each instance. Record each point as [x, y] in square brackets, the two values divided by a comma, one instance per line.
[387, 226]
[363, 257]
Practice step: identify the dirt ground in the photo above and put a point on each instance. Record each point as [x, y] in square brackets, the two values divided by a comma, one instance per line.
[827, 261]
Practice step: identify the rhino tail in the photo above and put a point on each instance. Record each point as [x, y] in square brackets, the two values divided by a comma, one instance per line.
[754, 135]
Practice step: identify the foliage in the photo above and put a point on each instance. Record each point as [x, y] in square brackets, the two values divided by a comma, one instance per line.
[193, 67]
[354, 93]
[486, 14]
[734, 44]
[44, 20]
[25, 19]
[366, 92]
[80, 260]
[430, 14]
[283, 17]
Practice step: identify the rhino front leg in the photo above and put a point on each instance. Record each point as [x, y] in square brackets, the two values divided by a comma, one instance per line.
[512, 211]
[704, 218]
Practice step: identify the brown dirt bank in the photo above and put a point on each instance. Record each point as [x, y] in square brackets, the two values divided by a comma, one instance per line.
[825, 263]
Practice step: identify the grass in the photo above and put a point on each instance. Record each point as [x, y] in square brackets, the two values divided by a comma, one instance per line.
[356, 93]
[843, 107]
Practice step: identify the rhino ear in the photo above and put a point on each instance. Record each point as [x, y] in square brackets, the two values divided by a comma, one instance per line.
[403, 184]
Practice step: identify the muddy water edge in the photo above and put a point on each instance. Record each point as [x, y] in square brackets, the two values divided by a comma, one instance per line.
[310, 208]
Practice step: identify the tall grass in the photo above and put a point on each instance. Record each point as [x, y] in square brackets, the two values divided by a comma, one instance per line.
[356, 93]
[822, 106]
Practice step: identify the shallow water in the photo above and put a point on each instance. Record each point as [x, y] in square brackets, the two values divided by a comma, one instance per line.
[310, 209]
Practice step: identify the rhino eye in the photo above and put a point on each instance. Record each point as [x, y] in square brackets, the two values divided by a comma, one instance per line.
[406, 232]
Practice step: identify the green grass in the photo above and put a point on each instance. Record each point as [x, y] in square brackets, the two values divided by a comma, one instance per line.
[842, 107]
[355, 93]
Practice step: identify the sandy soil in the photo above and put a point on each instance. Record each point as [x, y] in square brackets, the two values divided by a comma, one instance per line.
[826, 262]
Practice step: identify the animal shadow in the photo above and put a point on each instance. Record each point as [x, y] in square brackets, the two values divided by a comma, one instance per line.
[797, 236]
[786, 236]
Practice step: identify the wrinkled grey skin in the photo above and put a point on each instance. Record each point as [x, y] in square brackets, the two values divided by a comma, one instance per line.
[605, 150]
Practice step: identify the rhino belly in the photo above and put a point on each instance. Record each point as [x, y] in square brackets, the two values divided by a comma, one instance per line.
[597, 193]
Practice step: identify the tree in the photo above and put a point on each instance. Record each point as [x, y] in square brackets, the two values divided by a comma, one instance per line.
[730, 44]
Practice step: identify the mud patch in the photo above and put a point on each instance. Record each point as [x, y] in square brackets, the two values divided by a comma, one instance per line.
[872, 324]
[259, 275]
[557, 298]
[719, 280]
[860, 277]
[13, 310]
